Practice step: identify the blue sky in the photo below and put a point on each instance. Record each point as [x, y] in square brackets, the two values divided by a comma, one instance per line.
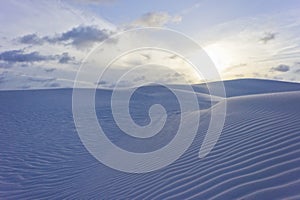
[43, 43]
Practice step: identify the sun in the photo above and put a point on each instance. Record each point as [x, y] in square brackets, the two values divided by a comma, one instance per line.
[220, 55]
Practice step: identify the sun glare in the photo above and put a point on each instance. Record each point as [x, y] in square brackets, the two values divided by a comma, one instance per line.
[219, 55]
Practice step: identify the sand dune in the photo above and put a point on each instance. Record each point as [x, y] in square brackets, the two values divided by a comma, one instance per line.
[256, 157]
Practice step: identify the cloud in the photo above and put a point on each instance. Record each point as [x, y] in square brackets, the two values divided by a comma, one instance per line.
[156, 19]
[3, 77]
[31, 39]
[140, 78]
[25, 86]
[278, 78]
[147, 56]
[65, 58]
[101, 83]
[5, 65]
[281, 68]
[176, 74]
[172, 77]
[81, 36]
[268, 37]
[297, 71]
[46, 81]
[95, 1]
[19, 56]
[52, 85]
[174, 56]
[235, 67]
[239, 75]
[40, 79]
[50, 70]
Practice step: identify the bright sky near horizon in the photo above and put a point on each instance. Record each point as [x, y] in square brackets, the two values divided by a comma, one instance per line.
[43, 43]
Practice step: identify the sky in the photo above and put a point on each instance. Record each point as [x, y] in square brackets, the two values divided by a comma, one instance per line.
[44, 43]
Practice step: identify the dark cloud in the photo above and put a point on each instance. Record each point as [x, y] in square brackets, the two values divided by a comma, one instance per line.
[102, 83]
[24, 65]
[268, 37]
[31, 39]
[81, 36]
[281, 68]
[65, 58]
[19, 56]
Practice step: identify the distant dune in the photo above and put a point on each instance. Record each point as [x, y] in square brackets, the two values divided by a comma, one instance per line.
[240, 87]
[256, 157]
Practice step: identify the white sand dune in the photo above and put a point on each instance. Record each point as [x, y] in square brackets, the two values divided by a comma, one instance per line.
[256, 157]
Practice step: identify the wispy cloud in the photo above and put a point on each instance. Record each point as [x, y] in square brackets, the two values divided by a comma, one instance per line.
[297, 71]
[95, 1]
[52, 85]
[3, 77]
[39, 79]
[49, 70]
[156, 19]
